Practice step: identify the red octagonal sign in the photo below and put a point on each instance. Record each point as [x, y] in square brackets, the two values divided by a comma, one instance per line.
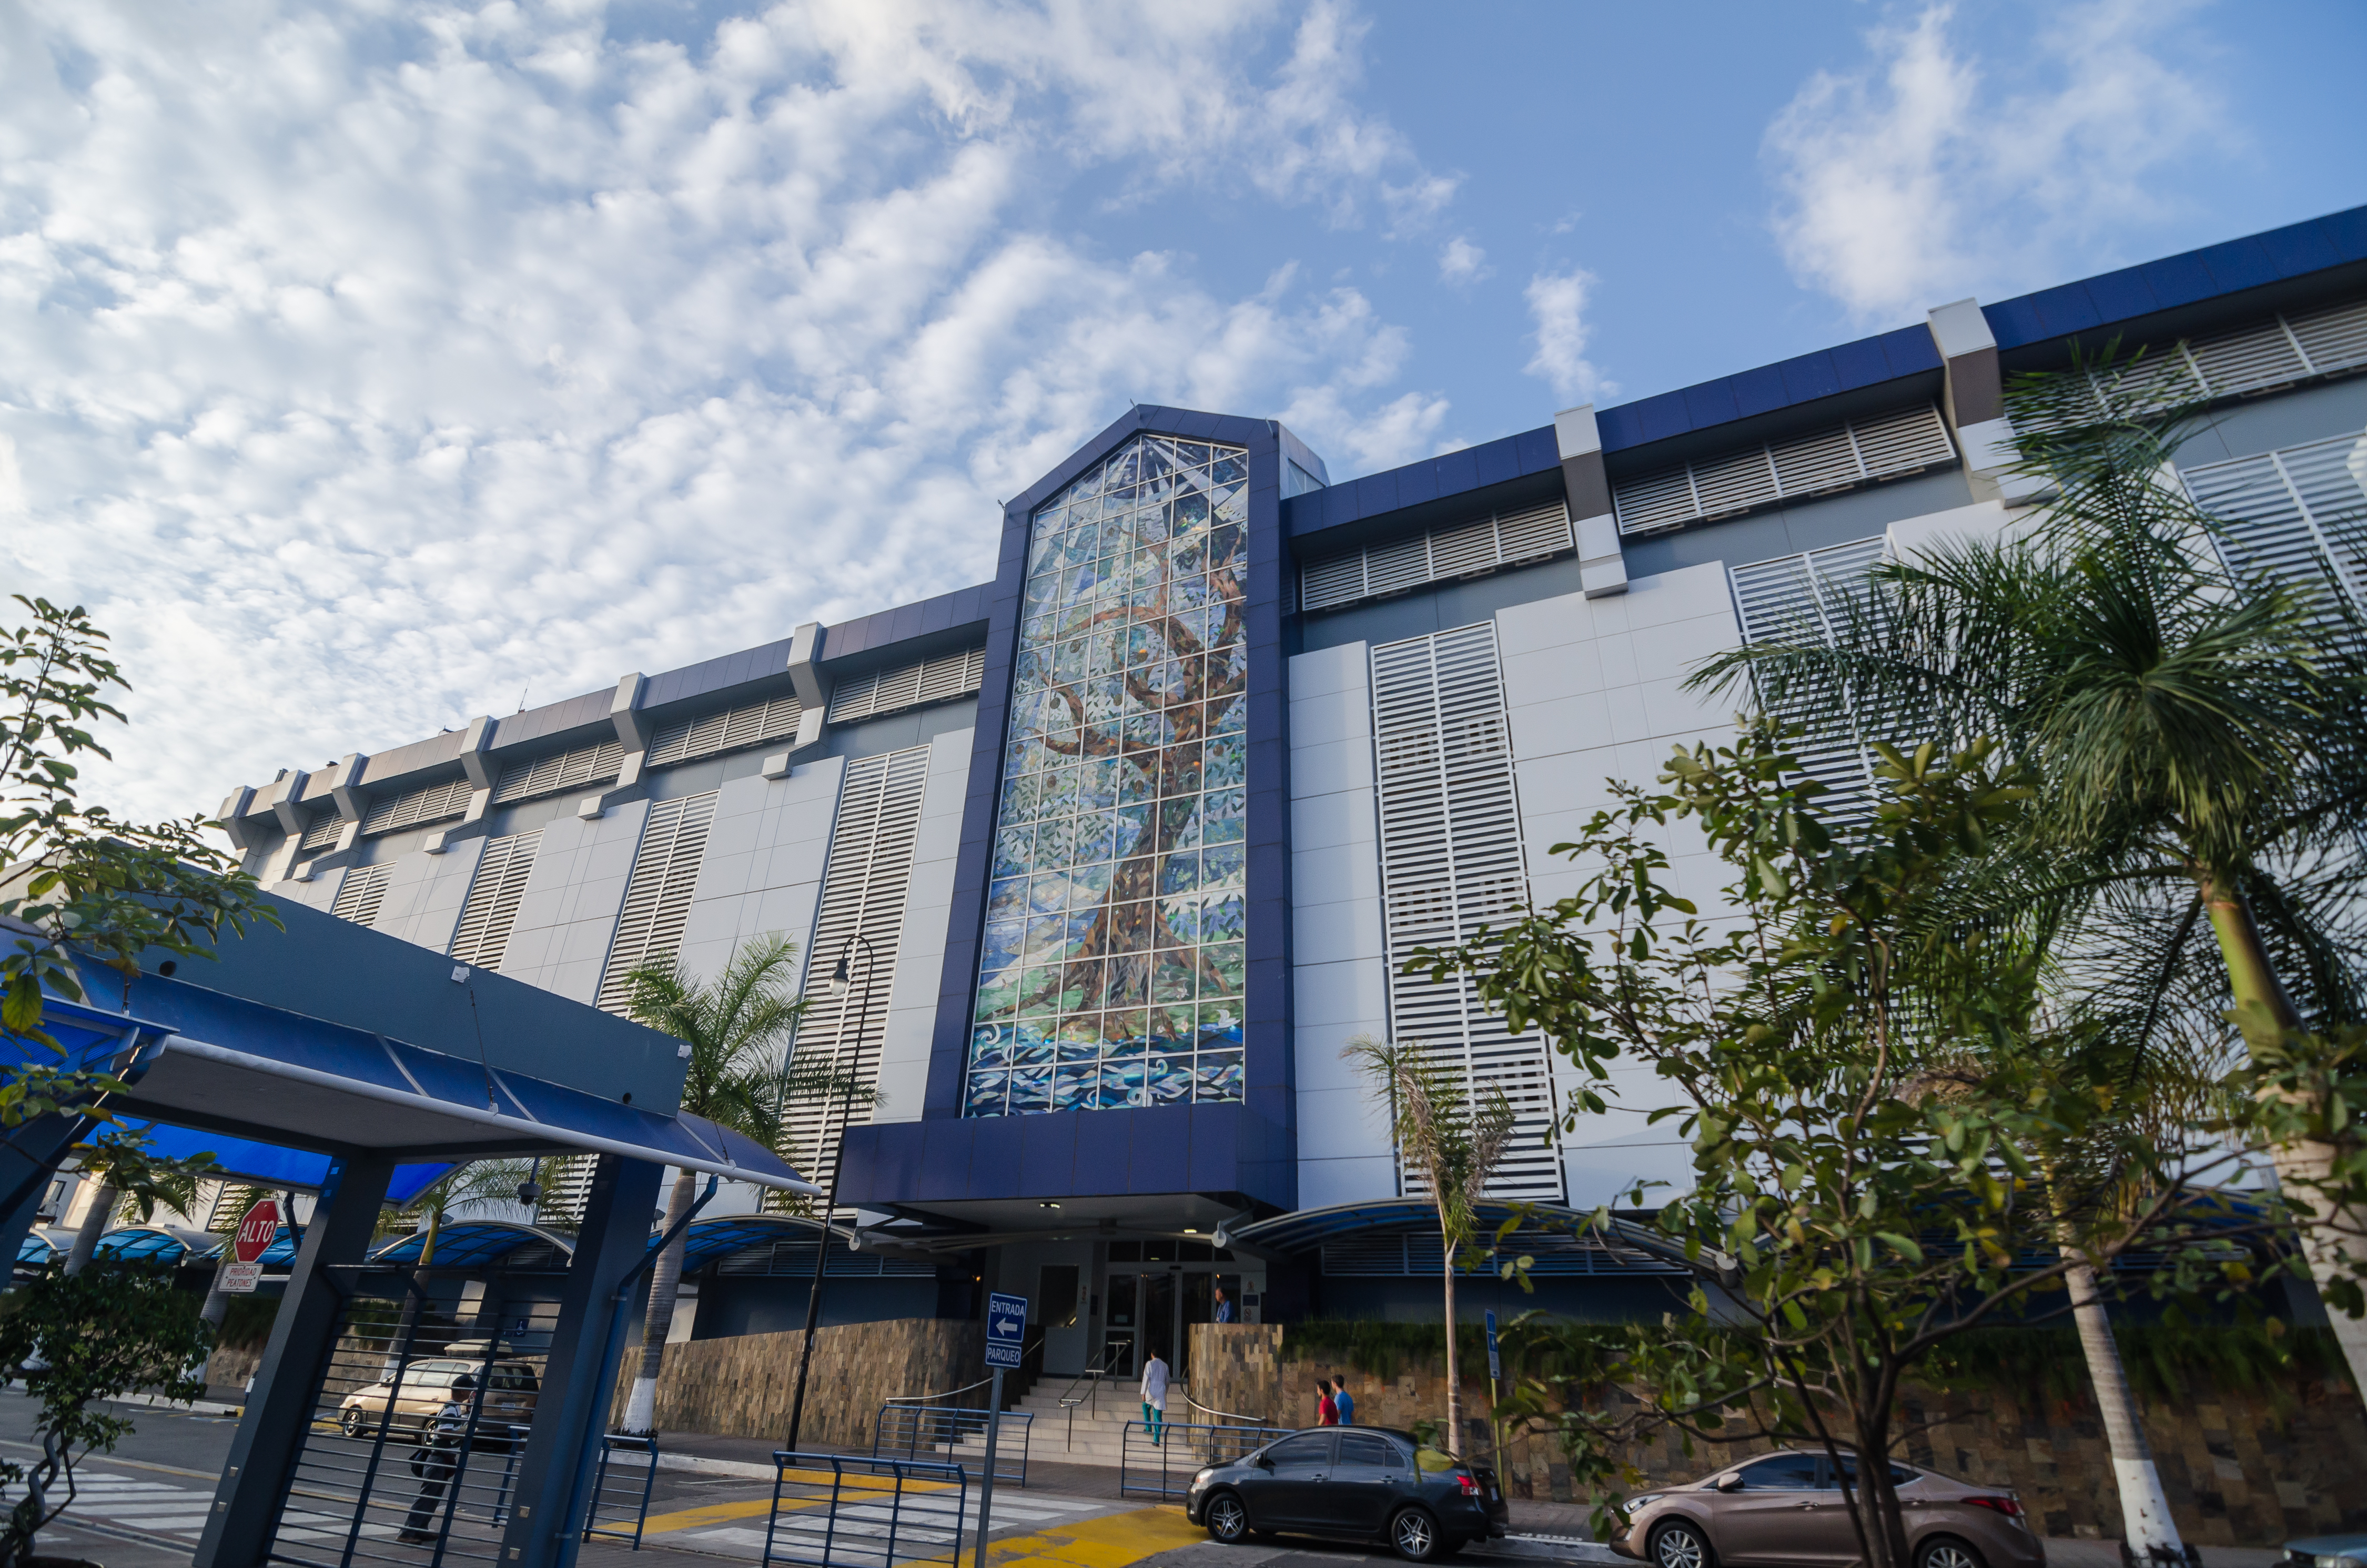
[257, 1231]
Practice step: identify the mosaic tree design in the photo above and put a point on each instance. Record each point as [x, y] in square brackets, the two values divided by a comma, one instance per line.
[1112, 972]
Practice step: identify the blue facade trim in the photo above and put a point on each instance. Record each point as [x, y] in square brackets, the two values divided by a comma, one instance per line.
[1267, 1061]
[1432, 479]
[924, 618]
[1848, 366]
[1149, 1151]
[694, 681]
[2279, 255]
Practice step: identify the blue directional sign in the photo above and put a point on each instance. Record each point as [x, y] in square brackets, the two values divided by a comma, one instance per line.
[1006, 1326]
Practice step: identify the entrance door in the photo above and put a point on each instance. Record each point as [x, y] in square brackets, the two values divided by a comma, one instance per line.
[1123, 1334]
[1159, 1326]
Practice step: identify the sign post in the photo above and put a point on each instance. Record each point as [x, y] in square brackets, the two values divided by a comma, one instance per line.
[1006, 1326]
[1495, 1372]
[243, 1268]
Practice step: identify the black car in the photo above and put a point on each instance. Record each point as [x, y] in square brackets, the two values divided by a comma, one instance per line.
[1352, 1484]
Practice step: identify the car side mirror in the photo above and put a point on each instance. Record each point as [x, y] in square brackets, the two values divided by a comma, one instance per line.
[1265, 1461]
[1729, 1483]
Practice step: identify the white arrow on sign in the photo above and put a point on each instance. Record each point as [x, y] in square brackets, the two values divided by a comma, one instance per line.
[1006, 1328]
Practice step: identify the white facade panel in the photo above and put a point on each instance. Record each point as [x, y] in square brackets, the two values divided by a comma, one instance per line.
[425, 892]
[1339, 971]
[567, 916]
[920, 949]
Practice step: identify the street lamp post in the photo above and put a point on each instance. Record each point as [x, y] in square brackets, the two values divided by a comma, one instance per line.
[839, 981]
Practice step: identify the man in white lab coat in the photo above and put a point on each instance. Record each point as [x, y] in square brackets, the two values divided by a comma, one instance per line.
[1154, 1397]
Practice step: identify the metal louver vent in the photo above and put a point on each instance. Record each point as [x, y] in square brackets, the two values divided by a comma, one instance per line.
[861, 917]
[1907, 441]
[417, 808]
[1799, 599]
[1466, 549]
[491, 909]
[2296, 516]
[2260, 358]
[1451, 862]
[322, 834]
[657, 896]
[361, 892]
[750, 724]
[908, 686]
[560, 770]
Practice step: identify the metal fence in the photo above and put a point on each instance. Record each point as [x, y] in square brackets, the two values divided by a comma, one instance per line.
[621, 1486]
[910, 1431]
[1159, 1462]
[829, 1511]
[399, 1465]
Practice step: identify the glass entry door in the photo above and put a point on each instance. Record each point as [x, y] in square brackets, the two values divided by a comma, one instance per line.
[1142, 1315]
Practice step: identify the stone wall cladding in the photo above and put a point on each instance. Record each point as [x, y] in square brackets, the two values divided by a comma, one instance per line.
[2237, 1472]
[740, 1387]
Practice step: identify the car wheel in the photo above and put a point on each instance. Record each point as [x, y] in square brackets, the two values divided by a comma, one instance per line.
[352, 1421]
[1947, 1551]
[1414, 1535]
[1227, 1520]
[1679, 1545]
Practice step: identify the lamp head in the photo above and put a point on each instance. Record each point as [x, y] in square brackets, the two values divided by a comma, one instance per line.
[838, 977]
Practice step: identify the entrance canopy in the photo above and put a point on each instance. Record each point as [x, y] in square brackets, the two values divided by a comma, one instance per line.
[1562, 1240]
[328, 1038]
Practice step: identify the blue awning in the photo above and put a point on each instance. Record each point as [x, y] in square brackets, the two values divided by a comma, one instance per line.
[704, 1241]
[141, 1243]
[1623, 1246]
[222, 1066]
[472, 1242]
[33, 1249]
[271, 1165]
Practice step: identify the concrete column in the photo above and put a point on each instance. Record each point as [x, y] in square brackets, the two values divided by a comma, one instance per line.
[1602, 565]
[579, 1381]
[279, 1410]
[1974, 400]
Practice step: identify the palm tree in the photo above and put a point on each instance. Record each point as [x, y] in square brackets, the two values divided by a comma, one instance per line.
[1453, 1144]
[2198, 737]
[470, 1182]
[740, 1076]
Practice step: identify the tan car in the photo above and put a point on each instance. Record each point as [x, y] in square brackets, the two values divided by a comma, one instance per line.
[427, 1386]
[1785, 1510]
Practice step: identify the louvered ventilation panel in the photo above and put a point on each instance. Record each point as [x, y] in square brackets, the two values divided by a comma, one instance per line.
[862, 915]
[1907, 441]
[1801, 600]
[322, 834]
[566, 1191]
[417, 808]
[2255, 359]
[1451, 862]
[658, 895]
[2296, 516]
[908, 686]
[361, 892]
[560, 770]
[1466, 549]
[750, 724]
[491, 909]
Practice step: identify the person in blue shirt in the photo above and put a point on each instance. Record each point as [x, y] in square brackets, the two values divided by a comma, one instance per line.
[1224, 1306]
[1343, 1403]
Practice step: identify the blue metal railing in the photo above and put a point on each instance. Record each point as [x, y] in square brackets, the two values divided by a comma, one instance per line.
[621, 1492]
[831, 1511]
[910, 1431]
[1159, 1462]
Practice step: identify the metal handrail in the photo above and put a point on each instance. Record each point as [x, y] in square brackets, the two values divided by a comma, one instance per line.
[1228, 1415]
[1093, 1375]
[924, 1398]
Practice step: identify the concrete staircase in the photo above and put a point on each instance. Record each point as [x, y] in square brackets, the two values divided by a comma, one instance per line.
[1091, 1433]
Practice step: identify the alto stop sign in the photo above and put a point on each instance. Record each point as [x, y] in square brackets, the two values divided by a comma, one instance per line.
[257, 1231]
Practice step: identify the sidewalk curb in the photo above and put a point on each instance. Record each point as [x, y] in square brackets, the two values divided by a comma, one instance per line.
[1546, 1548]
[715, 1467]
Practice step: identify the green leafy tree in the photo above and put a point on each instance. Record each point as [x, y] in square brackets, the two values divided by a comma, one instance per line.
[1850, 1214]
[1455, 1141]
[2199, 738]
[153, 1339]
[740, 1074]
[81, 882]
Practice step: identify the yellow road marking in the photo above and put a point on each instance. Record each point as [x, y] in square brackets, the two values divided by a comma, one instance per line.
[855, 1489]
[713, 1514]
[1111, 1541]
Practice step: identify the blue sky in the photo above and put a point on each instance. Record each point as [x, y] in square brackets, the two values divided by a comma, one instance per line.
[371, 365]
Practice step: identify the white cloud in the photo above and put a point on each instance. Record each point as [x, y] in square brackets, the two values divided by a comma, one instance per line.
[1558, 304]
[367, 364]
[1462, 262]
[1914, 181]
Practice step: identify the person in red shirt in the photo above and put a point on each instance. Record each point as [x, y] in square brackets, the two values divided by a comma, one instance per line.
[1326, 1413]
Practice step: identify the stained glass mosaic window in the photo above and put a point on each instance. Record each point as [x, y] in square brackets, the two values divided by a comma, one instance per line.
[1113, 960]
